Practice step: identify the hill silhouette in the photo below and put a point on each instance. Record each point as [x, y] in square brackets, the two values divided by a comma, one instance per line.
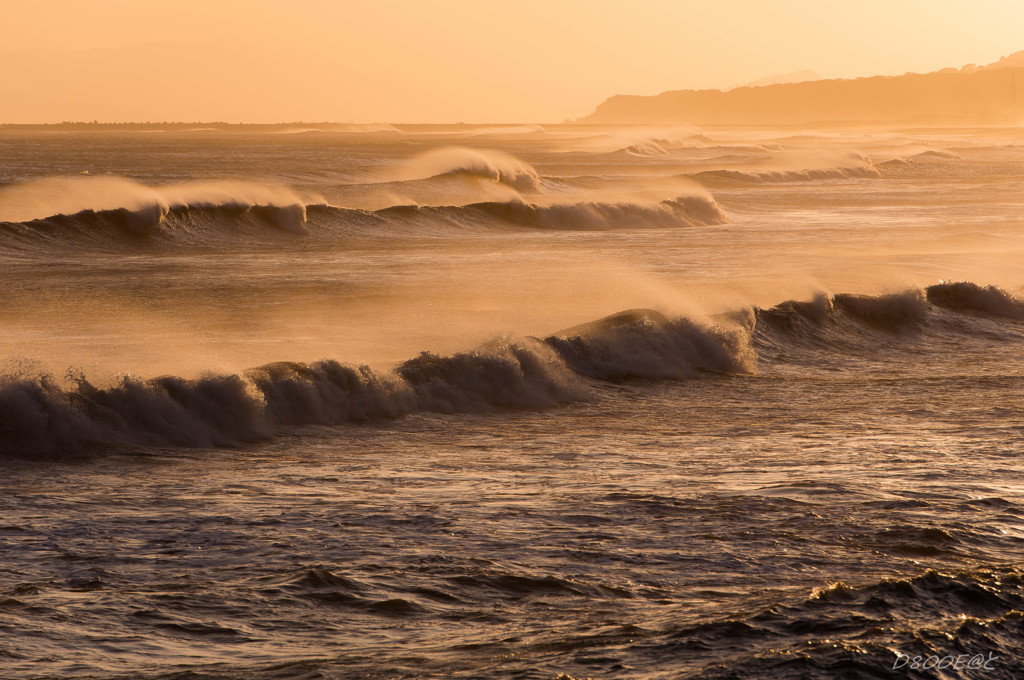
[973, 95]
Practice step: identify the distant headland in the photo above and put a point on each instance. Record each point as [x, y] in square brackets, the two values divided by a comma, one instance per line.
[972, 95]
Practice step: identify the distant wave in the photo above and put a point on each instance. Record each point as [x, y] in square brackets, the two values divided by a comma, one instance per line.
[649, 147]
[766, 147]
[681, 211]
[714, 177]
[114, 213]
[660, 146]
[51, 196]
[503, 130]
[481, 163]
[153, 225]
[897, 164]
[936, 154]
[642, 141]
[358, 128]
[43, 416]
[235, 222]
[901, 166]
[665, 146]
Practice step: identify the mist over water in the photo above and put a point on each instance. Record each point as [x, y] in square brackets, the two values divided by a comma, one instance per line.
[510, 401]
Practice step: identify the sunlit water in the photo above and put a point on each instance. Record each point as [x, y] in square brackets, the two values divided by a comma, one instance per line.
[397, 436]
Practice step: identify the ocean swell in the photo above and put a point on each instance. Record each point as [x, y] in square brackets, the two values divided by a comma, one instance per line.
[725, 177]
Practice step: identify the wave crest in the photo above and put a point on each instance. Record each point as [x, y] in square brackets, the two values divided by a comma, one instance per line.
[645, 344]
[483, 164]
[115, 210]
[967, 296]
[893, 312]
[594, 216]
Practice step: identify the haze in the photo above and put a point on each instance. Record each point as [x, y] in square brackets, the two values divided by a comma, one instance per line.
[316, 60]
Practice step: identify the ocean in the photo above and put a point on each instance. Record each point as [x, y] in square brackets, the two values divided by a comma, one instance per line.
[513, 401]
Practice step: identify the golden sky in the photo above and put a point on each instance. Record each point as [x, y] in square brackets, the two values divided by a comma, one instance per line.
[453, 60]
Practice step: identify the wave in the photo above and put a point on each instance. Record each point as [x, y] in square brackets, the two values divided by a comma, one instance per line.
[52, 196]
[643, 142]
[109, 212]
[41, 416]
[357, 128]
[234, 222]
[780, 176]
[681, 211]
[741, 148]
[646, 344]
[321, 586]
[893, 164]
[970, 297]
[663, 146]
[154, 225]
[649, 147]
[935, 154]
[479, 163]
[818, 332]
[892, 313]
[504, 130]
[906, 166]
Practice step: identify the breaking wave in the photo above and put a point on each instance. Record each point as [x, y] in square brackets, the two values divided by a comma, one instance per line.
[970, 297]
[53, 196]
[818, 332]
[106, 211]
[41, 415]
[658, 145]
[480, 163]
[682, 211]
[892, 313]
[232, 222]
[124, 228]
[642, 142]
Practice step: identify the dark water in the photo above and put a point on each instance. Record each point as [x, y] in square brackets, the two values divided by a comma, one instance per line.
[295, 427]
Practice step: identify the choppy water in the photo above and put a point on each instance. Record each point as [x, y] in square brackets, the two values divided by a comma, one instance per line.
[470, 402]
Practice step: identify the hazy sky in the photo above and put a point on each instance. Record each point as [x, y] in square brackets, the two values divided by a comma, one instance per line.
[453, 60]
